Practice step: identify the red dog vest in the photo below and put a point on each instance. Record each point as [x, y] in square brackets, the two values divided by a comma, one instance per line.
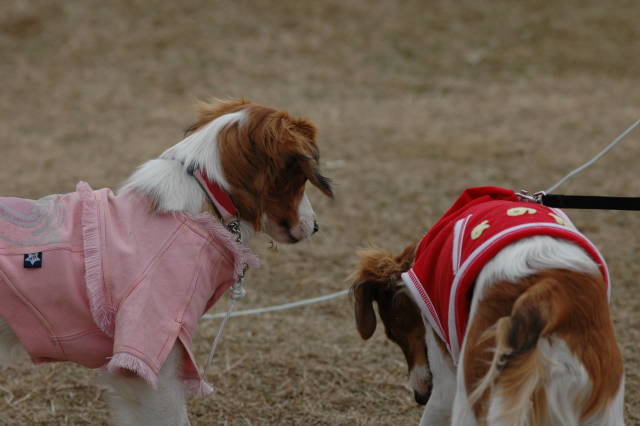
[450, 256]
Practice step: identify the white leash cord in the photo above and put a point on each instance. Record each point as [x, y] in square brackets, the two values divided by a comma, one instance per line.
[277, 307]
[237, 293]
[216, 339]
[594, 159]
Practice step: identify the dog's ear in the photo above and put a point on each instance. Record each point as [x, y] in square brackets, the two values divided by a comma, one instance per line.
[309, 167]
[376, 271]
[305, 154]
[364, 294]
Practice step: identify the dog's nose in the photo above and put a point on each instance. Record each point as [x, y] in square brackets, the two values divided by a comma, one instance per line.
[316, 227]
[420, 398]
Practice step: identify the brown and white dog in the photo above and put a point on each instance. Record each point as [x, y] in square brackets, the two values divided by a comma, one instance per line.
[539, 346]
[261, 158]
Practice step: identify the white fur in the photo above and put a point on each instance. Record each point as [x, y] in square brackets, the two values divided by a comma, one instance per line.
[307, 219]
[420, 379]
[167, 182]
[166, 178]
[461, 410]
[134, 403]
[613, 415]
[567, 380]
[437, 412]
[200, 149]
[569, 385]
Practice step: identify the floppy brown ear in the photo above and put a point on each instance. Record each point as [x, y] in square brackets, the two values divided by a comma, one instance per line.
[363, 303]
[307, 156]
[377, 269]
[309, 167]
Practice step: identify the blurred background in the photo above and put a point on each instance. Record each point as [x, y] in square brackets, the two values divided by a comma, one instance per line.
[414, 101]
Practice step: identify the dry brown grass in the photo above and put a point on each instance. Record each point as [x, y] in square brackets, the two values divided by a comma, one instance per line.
[414, 101]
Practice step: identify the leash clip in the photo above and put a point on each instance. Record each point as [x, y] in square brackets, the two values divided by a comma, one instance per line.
[525, 195]
[234, 228]
[238, 291]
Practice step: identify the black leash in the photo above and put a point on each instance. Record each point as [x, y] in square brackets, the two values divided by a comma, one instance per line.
[581, 201]
[590, 202]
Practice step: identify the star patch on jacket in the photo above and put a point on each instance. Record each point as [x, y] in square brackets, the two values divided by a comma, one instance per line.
[33, 260]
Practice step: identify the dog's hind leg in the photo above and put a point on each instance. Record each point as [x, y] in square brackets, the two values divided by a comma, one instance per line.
[133, 402]
[10, 347]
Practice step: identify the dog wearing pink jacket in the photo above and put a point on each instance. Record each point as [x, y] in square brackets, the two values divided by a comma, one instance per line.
[120, 281]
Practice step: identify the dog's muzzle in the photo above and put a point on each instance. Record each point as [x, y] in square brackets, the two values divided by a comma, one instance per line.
[422, 399]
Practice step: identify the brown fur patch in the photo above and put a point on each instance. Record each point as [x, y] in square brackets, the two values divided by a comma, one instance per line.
[570, 305]
[381, 266]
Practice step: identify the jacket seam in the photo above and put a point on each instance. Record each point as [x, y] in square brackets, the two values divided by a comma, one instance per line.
[142, 275]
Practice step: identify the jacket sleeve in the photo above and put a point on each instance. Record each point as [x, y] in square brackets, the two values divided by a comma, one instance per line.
[166, 305]
[150, 317]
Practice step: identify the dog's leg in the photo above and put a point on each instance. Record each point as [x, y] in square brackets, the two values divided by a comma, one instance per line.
[437, 412]
[133, 402]
[613, 414]
[461, 413]
[10, 347]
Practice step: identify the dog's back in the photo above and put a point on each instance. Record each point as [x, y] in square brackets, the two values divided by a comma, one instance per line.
[541, 350]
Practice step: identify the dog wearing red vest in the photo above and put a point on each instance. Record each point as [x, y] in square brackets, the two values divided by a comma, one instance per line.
[120, 281]
[501, 311]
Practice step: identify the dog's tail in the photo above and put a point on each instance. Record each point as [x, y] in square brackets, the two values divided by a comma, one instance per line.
[556, 360]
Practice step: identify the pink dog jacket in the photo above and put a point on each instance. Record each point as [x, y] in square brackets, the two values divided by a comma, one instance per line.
[450, 256]
[98, 279]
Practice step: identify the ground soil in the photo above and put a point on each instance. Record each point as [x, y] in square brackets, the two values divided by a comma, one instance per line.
[414, 101]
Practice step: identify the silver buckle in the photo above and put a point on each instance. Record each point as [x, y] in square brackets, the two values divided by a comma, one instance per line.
[536, 197]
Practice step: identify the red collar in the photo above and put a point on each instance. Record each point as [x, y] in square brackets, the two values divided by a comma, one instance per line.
[217, 195]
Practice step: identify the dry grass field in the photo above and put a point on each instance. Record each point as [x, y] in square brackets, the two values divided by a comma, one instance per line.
[414, 100]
